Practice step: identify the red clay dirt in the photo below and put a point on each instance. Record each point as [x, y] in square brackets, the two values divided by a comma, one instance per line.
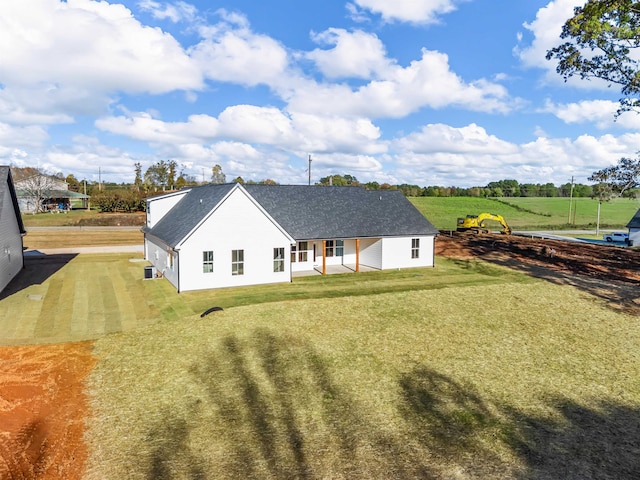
[43, 405]
[611, 273]
[42, 411]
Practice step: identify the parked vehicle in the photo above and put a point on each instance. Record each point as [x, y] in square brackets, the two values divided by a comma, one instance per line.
[616, 237]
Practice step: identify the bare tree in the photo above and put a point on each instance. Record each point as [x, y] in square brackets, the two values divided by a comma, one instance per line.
[38, 188]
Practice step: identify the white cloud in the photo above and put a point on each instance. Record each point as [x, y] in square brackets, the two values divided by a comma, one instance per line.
[428, 82]
[476, 158]
[411, 11]
[63, 58]
[176, 12]
[254, 125]
[546, 30]
[231, 52]
[12, 136]
[444, 138]
[598, 112]
[354, 54]
[143, 127]
[106, 49]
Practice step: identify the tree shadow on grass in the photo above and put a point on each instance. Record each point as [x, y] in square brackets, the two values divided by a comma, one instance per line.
[37, 269]
[583, 443]
[579, 442]
[279, 413]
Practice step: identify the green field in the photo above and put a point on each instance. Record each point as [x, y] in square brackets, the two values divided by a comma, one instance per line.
[524, 213]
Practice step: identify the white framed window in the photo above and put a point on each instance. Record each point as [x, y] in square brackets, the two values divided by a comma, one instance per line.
[339, 248]
[299, 252]
[278, 260]
[415, 248]
[207, 261]
[237, 262]
[329, 250]
[303, 248]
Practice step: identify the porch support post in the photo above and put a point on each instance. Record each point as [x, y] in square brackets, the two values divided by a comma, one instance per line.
[357, 255]
[324, 257]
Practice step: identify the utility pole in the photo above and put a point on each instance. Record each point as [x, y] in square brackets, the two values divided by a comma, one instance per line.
[309, 169]
[99, 179]
[570, 200]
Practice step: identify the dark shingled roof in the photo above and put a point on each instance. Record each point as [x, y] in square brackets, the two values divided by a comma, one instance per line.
[635, 221]
[307, 212]
[6, 183]
[314, 212]
[188, 212]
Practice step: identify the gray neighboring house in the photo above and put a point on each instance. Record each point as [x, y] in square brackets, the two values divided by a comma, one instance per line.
[11, 230]
[56, 196]
[634, 229]
[228, 235]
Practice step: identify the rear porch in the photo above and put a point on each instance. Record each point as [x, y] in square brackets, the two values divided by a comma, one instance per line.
[333, 270]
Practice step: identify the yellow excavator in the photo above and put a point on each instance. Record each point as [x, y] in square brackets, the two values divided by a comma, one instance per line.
[475, 223]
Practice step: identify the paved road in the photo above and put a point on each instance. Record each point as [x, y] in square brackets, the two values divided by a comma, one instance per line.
[103, 249]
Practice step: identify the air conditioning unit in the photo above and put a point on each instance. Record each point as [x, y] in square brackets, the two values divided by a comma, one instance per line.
[149, 272]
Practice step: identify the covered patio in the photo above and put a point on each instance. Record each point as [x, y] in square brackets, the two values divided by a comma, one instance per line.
[333, 270]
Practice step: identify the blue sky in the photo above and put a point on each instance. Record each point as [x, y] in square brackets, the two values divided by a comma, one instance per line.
[426, 92]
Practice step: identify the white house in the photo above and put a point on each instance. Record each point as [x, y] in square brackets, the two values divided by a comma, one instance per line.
[11, 230]
[634, 229]
[230, 235]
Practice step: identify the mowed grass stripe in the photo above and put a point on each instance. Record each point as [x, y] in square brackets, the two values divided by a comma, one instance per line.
[80, 313]
[92, 295]
[45, 325]
[110, 305]
[64, 307]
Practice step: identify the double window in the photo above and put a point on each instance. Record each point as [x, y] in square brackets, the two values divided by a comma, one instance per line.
[415, 248]
[207, 261]
[299, 252]
[237, 262]
[335, 248]
[278, 259]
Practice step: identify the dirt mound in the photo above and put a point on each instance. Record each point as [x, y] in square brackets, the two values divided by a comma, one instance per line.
[609, 272]
[114, 220]
[42, 411]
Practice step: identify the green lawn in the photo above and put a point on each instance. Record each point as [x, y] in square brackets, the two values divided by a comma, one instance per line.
[462, 371]
[65, 298]
[516, 379]
[524, 213]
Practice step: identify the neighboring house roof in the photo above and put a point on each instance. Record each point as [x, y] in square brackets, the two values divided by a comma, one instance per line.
[305, 212]
[54, 182]
[6, 183]
[53, 194]
[635, 221]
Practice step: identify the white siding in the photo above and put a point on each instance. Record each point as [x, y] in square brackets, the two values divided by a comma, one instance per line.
[237, 224]
[371, 252]
[396, 252]
[634, 236]
[11, 260]
[298, 266]
[158, 254]
[159, 206]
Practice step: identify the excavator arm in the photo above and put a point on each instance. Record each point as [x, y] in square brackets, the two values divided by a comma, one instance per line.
[475, 223]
